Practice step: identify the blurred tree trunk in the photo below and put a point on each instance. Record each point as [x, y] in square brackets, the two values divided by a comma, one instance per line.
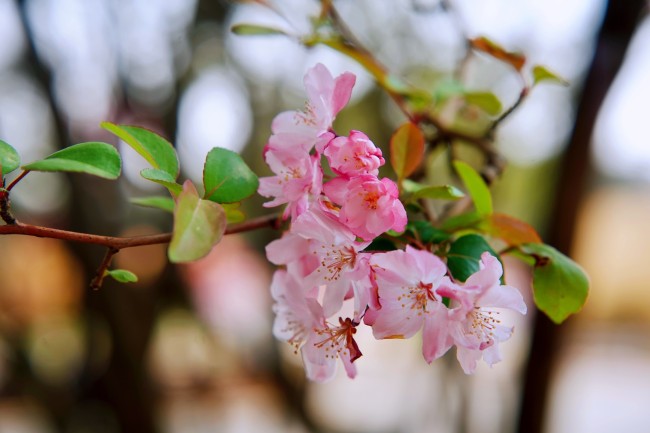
[619, 24]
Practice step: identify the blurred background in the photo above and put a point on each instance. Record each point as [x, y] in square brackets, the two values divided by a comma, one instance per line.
[189, 348]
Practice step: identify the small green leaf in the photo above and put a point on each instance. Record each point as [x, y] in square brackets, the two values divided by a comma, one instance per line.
[152, 147]
[9, 159]
[255, 29]
[485, 100]
[464, 255]
[406, 150]
[442, 192]
[540, 73]
[157, 202]
[476, 187]
[560, 286]
[95, 158]
[162, 178]
[122, 275]
[233, 213]
[427, 233]
[227, 178]
[198, 226]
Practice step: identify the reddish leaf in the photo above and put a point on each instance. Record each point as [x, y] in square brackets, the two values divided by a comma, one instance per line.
[511, 230]
[485, 45]
[406, 149]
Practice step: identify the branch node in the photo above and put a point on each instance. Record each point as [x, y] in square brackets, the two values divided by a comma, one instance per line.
[101, 273]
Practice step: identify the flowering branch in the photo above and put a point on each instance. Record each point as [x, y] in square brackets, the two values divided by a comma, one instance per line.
[346, 42]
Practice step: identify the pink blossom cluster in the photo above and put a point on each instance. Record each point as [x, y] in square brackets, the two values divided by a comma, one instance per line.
[328, 285]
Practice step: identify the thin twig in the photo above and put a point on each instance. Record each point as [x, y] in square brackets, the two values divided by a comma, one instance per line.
[97, 281]
[522, 96]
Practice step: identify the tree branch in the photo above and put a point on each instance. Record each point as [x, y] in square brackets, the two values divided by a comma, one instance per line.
[120, 243]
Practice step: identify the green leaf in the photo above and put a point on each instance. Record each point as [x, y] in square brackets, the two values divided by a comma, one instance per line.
[406, 150]
[95, 158]
[381, 244]
[9, 159]
[464, 220]
[163, 178]
[442, 192]
[157, 202]
[485, 100]
[464, 255]
[122, 275]
[198, 226]
[233, 213]
[152, 147]
[227, 178]
[255, 29]
[560, 286]
[476, 187]
[540, 73]
[427, 233]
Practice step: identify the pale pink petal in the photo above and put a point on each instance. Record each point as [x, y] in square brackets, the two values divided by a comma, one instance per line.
[491, 355]
[342, 91]
[350, 368]
[336, 190]
[334, 296]
[396, 321]
[468, 358]
[489, 274]
[503, 297]
[429, 265]
[288, 248]
[318, 367]
[436, 340]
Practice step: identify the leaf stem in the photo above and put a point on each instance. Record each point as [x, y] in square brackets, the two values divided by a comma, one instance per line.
[522, 96]
[18, 179]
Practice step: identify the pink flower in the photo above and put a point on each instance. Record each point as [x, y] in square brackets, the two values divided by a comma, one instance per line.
[353, 155]
[294, 318]
[340, 266]
[407, 284]
[326, 97]
[293, 251]
[476, 326]
[297, 182]
[300, 322]
[326, 344]
[369, 206]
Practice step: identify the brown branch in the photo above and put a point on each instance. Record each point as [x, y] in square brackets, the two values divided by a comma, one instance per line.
[119, 243]
[522, 96]
[96, 282]
[5, 208]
